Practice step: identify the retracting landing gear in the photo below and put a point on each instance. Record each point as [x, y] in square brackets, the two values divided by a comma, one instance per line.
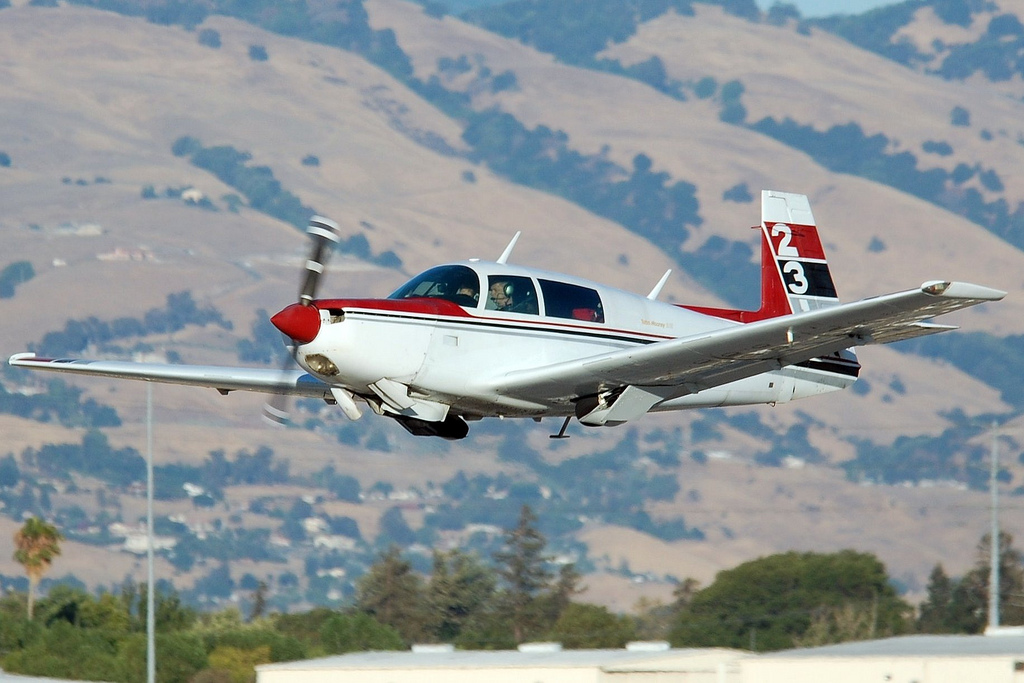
[452, 427]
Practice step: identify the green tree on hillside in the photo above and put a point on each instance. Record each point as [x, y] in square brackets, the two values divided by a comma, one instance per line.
[36, 544]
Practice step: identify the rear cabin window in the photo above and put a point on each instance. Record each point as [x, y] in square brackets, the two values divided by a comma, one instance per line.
[562, 300]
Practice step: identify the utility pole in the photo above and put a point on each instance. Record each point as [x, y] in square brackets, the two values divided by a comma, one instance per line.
[993, 578]
[150, 608]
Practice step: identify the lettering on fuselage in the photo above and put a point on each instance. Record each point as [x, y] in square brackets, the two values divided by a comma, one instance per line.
[656, 323]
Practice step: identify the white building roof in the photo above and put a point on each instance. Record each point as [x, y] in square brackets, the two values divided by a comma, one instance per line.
[608, 660]
[17, 678]
[916, 646]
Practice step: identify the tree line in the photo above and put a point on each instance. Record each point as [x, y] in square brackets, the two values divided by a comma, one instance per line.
[180, 310]
[775, 602]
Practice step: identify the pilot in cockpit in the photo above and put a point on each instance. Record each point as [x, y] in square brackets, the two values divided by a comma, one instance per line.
[500, 293]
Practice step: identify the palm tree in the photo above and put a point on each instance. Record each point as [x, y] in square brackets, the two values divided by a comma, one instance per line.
[37, 543]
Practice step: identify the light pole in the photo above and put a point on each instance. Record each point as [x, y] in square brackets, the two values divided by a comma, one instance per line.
[993, 578]
[150, 616]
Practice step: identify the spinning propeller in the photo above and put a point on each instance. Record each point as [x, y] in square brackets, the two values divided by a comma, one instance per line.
[300, 321]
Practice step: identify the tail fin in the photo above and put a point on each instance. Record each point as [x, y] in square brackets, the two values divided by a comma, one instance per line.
[794, 272]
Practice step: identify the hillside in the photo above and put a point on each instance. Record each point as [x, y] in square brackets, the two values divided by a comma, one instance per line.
[95, 102]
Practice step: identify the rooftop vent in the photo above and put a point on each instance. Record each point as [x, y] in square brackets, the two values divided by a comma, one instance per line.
[540, 647]
[647, 646]
[432, 648]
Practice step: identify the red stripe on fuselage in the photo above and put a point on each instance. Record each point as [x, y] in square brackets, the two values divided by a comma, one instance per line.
[421, 305]
[442, 307]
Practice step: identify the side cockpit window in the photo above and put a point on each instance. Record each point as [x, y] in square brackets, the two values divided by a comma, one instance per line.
[563, 300]
[511, 293]
[458, 284]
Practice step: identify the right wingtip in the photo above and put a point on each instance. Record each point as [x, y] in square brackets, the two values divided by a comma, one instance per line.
[18, 357]
[962, 290]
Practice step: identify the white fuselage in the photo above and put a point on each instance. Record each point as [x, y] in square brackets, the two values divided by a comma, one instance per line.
[445, 353]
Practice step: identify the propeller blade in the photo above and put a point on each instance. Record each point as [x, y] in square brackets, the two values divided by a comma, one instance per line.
[301, 322]
[277, 408]
[324, 234]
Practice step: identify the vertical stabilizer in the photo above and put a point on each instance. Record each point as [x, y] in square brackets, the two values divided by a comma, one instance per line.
[794, 272]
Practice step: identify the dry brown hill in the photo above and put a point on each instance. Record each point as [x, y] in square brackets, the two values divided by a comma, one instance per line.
[91, 103]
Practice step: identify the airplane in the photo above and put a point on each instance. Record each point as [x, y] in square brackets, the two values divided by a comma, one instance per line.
[474, 339]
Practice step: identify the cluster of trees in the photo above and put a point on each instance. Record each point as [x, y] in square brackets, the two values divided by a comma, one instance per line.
[76, 635]
[544, 25]
[59, 402]
[218, 471]
[346, 27]
[640, 199]
[793, 599]
[93, 457]
[614, 486]
[996, 52]
[181, 310]
[467, 602]
[960, 605]
[846, 149]
[256, 183]
[875, 30]
[775, 602]
[15, 274]
[994, 360]
[950, 456]
[265, 193]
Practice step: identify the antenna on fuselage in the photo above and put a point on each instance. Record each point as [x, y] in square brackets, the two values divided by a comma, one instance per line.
[508, 250]
[661, 283]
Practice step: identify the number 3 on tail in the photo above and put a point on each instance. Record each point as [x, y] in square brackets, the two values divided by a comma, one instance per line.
[799, 284]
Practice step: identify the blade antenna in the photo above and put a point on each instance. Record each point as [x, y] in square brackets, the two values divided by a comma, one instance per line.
[508, 250]
[661, 283]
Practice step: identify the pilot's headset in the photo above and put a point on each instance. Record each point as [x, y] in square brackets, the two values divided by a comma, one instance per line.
[509, 289]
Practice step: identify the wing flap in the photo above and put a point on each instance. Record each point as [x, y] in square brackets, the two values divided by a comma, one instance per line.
[224, 379]
[738, 350]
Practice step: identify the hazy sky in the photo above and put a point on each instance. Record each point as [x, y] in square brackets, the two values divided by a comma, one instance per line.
[821, 8]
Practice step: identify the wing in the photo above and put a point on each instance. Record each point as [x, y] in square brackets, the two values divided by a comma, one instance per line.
[223, 379]
[698, 362]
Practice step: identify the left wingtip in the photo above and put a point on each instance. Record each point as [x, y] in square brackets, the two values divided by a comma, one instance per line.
[18, 357]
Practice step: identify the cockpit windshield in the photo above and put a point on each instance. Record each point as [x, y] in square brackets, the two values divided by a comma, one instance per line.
[458, 284]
